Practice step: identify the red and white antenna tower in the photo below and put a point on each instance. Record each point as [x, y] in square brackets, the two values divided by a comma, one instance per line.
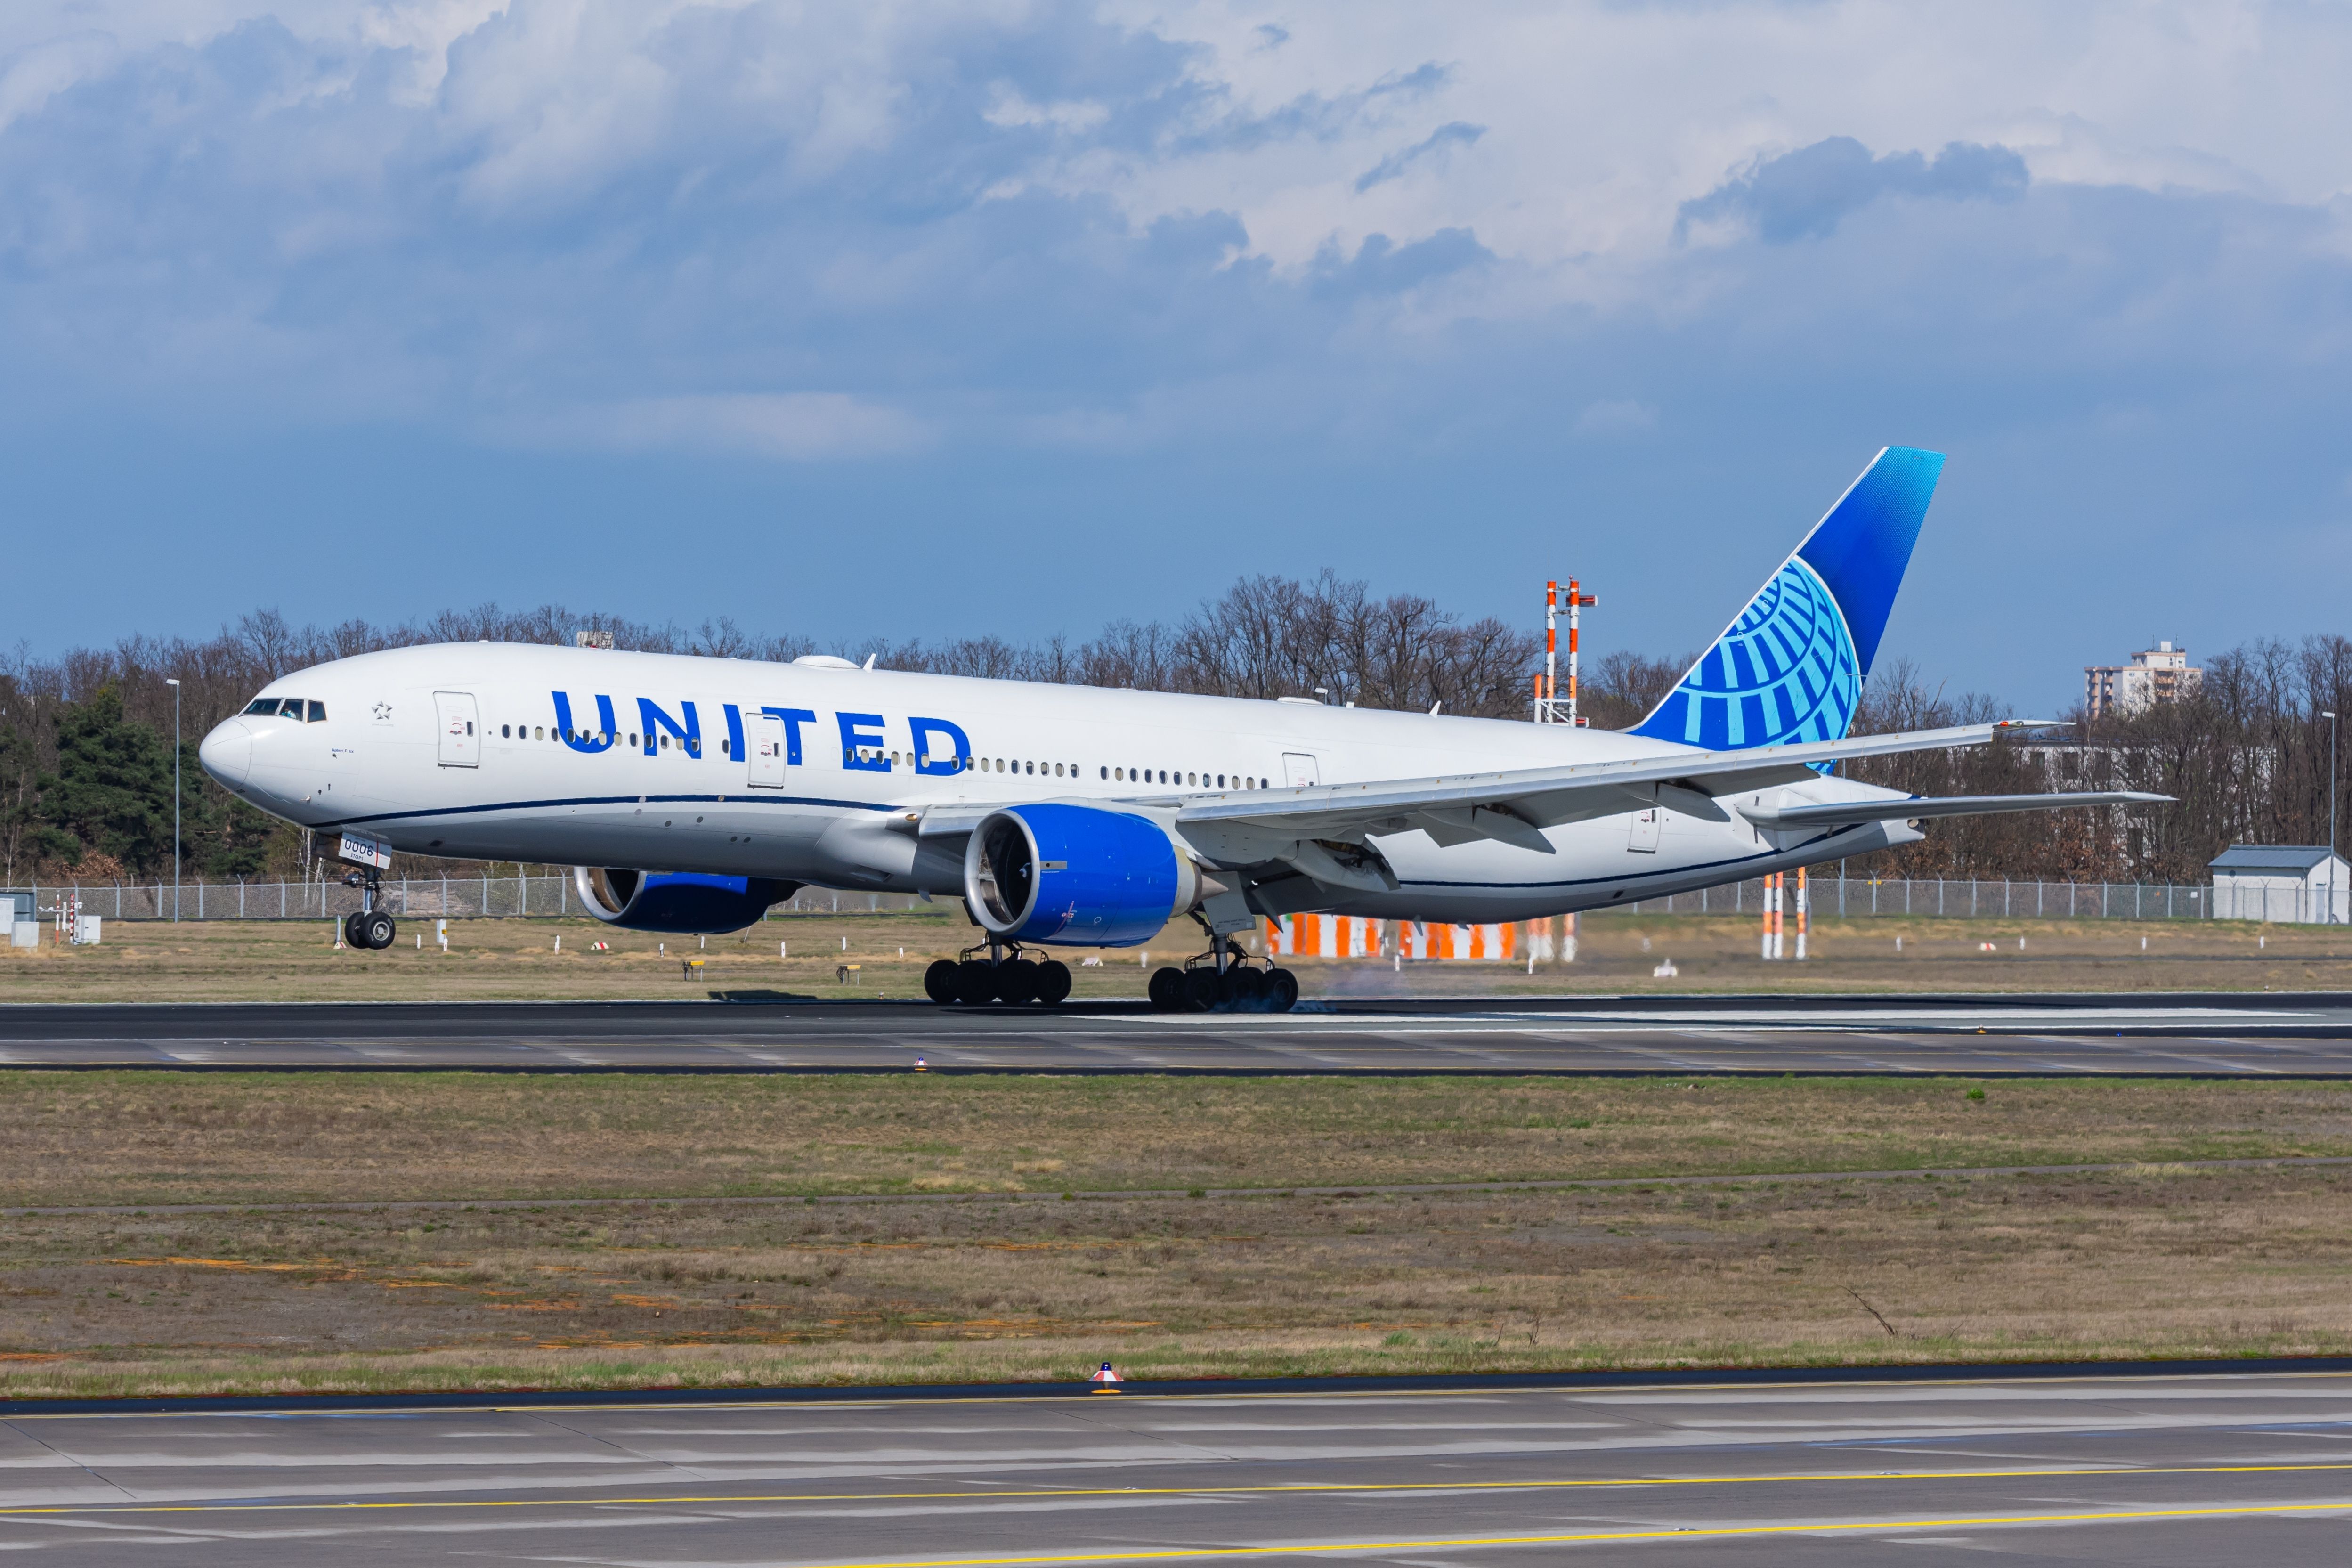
[1549, 707]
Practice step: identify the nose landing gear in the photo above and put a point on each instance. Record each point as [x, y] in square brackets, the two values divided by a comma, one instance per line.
[1009, 978]
[370, 926]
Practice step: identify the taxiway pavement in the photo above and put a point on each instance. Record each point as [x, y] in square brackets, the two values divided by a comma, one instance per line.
[2149, 1470]
[2221, 1034]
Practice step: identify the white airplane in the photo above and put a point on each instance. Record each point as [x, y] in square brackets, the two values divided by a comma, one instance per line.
[692, 793]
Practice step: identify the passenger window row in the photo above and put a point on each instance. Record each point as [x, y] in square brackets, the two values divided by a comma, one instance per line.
[897, 759]
[1172, 775]
[605, 737]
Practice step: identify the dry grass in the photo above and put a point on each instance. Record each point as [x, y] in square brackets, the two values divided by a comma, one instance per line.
[159, 1138]
[636, 1290]
[2154, 1262]
[516, 960]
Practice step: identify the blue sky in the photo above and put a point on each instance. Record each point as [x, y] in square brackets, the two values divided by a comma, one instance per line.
[1016, 318]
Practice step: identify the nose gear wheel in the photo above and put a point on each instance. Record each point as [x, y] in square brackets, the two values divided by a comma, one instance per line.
[370, 927]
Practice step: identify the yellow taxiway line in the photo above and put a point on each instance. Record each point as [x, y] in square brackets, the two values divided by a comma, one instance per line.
[1593, 1537]
[1299, 1488]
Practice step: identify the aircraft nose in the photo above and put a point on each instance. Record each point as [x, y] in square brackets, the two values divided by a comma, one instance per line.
[227, 753]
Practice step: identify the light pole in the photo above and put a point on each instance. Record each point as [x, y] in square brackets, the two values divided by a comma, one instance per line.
[2330, 717]
[175, 796]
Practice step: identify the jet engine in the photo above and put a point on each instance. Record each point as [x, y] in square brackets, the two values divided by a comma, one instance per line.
[687, 903]
[1076, 875]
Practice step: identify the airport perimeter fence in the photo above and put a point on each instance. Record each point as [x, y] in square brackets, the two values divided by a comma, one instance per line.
[1961, 898]
[422, 897]
[474, 898]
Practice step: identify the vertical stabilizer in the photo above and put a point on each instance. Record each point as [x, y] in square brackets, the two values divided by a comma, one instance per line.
[1791, 665]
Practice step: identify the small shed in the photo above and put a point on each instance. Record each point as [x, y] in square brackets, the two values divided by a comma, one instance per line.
[2281, 882]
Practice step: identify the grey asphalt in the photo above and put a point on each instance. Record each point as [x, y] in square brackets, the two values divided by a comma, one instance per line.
[2154, 1472]
[2219, 1033]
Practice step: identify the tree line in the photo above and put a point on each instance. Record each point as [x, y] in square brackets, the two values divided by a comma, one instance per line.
[86, 739]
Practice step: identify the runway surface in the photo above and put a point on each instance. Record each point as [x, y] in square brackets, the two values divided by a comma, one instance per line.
[2151, 1471]
[2223, 1034]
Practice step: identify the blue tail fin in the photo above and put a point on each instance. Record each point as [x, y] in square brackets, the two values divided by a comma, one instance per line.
[1790, 667]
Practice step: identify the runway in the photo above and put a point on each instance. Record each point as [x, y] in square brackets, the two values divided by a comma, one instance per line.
[2146, 1470]
[2224, 1035]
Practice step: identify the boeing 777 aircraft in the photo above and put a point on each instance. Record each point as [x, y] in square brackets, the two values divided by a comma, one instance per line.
[692, 793]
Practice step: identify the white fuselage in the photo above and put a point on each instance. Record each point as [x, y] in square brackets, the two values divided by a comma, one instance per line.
[390, 759]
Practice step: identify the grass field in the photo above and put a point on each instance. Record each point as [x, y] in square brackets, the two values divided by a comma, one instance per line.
[805, 955]
[563, 1242]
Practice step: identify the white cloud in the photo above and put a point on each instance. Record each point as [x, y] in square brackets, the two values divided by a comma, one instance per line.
[1012, 109]
[1033, 221]
[33, 76]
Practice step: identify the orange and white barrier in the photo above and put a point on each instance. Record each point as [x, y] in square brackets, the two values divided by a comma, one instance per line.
[1804, 912]
[1352, 936]
[1550, 941]
[1323, 936]
[1470, 945]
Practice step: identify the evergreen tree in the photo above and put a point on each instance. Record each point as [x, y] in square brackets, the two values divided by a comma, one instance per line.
[25, 838]
[112, 789]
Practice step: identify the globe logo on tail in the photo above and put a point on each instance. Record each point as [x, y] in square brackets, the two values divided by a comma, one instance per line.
[1786, 671]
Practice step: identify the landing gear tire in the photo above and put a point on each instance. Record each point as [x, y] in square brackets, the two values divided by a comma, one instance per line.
[377, 930]
[1206, 990]
[1166, 990]
[1248, 987]
[942, 982]
[1017, 981]
[975, 983]
[1052, 982]
[353, 935]
[1281, 990]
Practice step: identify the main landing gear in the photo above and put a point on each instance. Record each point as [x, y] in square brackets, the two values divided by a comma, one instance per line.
[370, 927]
[1002, 977]
[1224, 981]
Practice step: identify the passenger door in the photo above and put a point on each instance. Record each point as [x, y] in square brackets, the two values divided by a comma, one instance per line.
[1298, 771]
[763, 735]
[461, 747]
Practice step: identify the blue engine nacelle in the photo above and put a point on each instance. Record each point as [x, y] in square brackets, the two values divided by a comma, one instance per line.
[1076, 875]
[685, 902]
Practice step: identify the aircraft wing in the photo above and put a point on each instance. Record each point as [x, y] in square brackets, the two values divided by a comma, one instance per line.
[1839, 814]
[1513, 805]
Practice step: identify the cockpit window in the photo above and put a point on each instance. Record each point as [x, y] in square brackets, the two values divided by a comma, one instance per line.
[317, 712]
[262, 705]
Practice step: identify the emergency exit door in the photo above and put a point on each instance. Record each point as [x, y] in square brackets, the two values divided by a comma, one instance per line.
[763, 737]
[460, 746]
[1298, 771]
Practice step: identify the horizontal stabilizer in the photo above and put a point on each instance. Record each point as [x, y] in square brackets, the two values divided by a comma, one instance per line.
[1839, 814]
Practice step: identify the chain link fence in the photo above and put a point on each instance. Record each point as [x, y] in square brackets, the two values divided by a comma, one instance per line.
[474, 898]
[1955, 897]
[451, 897]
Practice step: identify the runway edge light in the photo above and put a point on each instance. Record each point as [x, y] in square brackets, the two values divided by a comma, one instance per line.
[1104, 1380]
